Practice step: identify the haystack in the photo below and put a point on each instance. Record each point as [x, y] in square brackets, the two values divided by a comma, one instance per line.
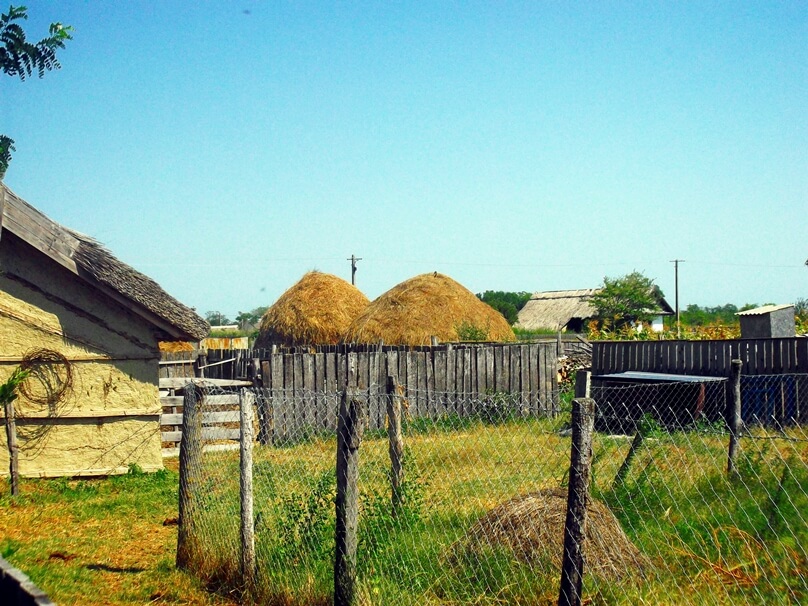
[315, 311]
[425, 306]
[531, 526]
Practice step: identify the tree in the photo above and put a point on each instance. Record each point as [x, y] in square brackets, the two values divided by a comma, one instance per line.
[627, 299]
[506, 303]
[251, 318]
[19, 57]
[217, 318]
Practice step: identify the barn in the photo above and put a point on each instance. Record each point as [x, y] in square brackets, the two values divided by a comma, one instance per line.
[95, 409]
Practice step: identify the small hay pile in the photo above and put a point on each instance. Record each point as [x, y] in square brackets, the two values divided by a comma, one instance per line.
[317, 310]
[175, 346]
[531, 526]
[425, 306]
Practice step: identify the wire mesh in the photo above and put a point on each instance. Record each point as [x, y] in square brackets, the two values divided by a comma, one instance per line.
[481, 503]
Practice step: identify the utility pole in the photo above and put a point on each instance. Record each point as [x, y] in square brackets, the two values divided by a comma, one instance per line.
[353, 261]
[676, 280]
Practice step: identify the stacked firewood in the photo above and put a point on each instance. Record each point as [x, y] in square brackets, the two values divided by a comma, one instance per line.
[569, 365]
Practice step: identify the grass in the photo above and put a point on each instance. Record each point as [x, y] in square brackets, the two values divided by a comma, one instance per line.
[100, 541]
[709, 539]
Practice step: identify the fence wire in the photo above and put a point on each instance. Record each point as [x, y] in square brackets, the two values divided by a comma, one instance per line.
[480, 504]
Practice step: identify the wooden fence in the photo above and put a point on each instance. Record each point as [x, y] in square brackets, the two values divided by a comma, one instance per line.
[706, 358]
[298, 388]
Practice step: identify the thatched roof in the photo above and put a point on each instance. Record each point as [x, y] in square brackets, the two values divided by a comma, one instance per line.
[425, 306]
[317, 310]
[90, 261]
[554, 309]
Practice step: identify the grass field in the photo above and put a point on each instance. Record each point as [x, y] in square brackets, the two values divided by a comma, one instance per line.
[100, 541]
[708, 539]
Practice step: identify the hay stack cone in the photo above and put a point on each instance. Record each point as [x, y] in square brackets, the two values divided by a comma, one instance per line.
[531, 526]
[317, 310]
[425, 306]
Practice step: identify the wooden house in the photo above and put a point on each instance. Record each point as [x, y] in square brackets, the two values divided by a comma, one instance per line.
[570, 310]
[64, 292]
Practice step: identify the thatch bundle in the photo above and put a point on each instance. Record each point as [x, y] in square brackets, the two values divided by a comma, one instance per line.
[531, 526]
[425, 306]
[315, 311]
[175, 346]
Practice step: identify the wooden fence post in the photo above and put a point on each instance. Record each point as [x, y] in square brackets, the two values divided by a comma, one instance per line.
[734, 421]
[349, 438]
[583, 383]
[246, 468]
[13, 448]
[572, 567]
[190, 474]
[396, 443]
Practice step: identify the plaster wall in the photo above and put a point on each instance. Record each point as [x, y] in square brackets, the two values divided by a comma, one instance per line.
[111, 417]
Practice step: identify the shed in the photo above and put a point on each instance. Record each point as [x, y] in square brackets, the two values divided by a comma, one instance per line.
[767, 322]
[674, 401]
[65, 292]
[570, 310]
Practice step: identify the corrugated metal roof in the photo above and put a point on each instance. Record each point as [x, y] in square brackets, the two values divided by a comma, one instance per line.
[656, 377]
[765, 309]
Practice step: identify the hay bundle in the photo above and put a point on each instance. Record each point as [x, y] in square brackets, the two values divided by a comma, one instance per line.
[315, 311]
[425, 306]
[531, 526]
[175, 346]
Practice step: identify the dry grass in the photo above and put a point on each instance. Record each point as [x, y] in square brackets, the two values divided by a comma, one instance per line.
[425, 306]
[315, 311]
[531, 526]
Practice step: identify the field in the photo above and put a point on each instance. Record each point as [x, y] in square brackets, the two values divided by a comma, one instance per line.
[100, 541]
[703, 538]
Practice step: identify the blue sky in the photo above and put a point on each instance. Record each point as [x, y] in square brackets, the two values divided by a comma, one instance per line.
[227, 148]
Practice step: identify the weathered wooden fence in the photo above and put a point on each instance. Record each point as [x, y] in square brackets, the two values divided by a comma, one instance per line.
[299, 384]
[708, 358]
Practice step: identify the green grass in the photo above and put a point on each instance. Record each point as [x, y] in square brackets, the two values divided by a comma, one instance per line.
[709, 539]
[99, 541]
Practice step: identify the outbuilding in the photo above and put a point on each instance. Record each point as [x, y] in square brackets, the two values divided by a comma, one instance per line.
[64, 293]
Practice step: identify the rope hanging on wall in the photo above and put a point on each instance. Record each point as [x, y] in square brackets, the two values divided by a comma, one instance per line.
[51, 377]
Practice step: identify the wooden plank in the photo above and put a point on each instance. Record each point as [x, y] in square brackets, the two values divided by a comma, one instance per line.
[319, 390]
[499, 373]
[481, 377]
[452, 389]
[432, 400]
[533, 378]
[331, 403]
[181, 382]
[439, 362]
[422, 406]
[468, 400]
[280, 401]
[411, 378]
[376, 408]
[210, 434]
[208, 418]
[309, 383]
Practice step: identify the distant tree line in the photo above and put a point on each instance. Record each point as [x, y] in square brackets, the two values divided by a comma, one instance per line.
[506, 303]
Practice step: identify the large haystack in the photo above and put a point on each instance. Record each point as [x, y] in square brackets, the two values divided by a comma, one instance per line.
[531, 526]
[425, 306]
[315, 311]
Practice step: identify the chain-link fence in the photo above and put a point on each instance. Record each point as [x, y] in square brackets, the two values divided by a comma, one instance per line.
[467, 505]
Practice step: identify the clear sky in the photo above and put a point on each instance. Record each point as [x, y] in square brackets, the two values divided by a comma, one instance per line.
[226, 148]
